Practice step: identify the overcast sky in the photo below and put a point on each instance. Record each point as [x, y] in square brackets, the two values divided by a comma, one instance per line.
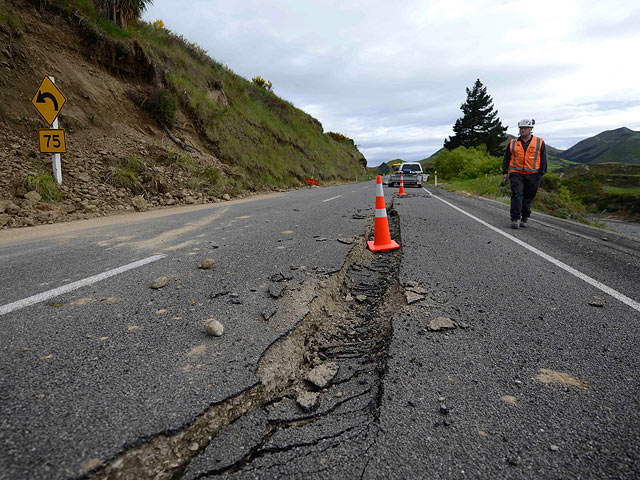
[392, 74]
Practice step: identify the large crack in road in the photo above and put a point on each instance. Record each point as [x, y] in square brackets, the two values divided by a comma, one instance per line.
[266, 431]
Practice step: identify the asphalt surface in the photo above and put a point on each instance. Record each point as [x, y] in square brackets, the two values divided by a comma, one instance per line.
[466, 403]
[82, 382]
[89, 374]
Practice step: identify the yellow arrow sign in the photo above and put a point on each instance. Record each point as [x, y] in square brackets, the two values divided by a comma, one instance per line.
[48, 100]
[52, 141]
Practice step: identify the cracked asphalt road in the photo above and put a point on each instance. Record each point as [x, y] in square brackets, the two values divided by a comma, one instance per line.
[535, 381]
[524, 315]
[81, 382]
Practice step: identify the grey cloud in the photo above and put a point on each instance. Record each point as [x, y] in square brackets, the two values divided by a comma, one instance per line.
[608, 105]
[602, 28]
[359, 79]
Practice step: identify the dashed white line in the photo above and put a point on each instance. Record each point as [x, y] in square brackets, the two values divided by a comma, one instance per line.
[591, 281]
[41, 297]
[332, 198]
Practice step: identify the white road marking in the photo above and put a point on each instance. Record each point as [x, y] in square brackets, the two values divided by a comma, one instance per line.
[41, 297]
[332, 198]
[601, 286]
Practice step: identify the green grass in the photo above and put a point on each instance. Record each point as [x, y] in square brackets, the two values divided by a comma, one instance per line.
[126, 172]
[568, 193]
[489, 186]
[555, 162]
[113, 30]
[11, 22]
[84, 6]
[45, 185]
[557, 203]
[621, 190]
[124, 178]
[264, 137]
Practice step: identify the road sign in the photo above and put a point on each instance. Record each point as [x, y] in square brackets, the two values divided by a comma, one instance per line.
[311, 181]
[52, 140]
[48, 100]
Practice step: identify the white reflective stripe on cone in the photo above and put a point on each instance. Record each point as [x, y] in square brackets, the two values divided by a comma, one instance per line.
[381, 213]
[379, 192]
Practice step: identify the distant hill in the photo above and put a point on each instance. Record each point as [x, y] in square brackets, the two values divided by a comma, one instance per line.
[390, 163]
[435, 154]
[620, 145]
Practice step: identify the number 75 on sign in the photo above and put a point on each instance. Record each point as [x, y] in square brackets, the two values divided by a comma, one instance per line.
[52, 140]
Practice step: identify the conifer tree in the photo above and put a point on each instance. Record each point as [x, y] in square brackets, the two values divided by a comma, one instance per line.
[479, 123]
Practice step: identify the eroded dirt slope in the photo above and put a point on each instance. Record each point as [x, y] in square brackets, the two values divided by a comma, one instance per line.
[108, 132]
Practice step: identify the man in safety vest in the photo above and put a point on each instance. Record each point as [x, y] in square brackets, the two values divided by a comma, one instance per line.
[524, 164]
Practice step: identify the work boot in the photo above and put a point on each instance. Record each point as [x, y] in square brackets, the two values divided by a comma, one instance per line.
[514, 224]
[523, 223]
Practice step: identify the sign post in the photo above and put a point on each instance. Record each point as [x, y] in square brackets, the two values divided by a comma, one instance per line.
[55, 157]
[48, 100]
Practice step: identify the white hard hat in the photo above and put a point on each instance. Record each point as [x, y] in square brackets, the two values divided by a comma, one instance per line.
[527, 122]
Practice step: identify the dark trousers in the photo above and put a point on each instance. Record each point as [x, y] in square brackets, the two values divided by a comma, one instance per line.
[523, 191]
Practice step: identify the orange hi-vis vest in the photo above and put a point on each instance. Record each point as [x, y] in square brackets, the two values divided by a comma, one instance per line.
[525, 162]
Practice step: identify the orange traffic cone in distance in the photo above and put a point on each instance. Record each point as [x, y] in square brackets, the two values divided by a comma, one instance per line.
[401, 191]
[381, 237]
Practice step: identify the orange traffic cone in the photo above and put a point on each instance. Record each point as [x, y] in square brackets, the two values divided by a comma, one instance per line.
[401, 191]
[381, 238]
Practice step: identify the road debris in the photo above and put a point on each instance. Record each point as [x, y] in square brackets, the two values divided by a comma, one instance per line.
[219, 292]
[441, 323]
[269, 312]
[413, 297]
[413, 292]
[280, 277]
[214, 327]
[322, 375]
[207, 263]
[550, 376]
[308, 401]
[347, 241]
[83, 301]
[159, 283]
[277, 289]
[112, 300]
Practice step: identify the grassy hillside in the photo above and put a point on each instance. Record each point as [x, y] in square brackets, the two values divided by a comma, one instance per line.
[266, 138]
[621, 145]
[147, 97]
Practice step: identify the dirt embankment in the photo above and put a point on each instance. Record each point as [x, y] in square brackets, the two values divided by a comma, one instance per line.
[119, 157]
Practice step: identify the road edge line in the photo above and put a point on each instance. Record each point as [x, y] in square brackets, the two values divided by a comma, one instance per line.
[601, 286]
[41, 297]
